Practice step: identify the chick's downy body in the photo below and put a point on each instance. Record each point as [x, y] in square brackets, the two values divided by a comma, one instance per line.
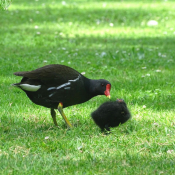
[111, 114]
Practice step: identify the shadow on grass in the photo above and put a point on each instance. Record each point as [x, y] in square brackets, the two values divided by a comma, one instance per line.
[60, 162]
[81, 14]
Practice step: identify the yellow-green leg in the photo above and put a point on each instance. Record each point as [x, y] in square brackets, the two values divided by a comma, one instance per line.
[60, 109]
[53, 114]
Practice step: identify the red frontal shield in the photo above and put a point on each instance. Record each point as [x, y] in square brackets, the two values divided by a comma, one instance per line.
[107, 91]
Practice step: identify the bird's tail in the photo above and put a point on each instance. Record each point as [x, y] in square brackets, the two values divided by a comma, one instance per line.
[20, 73]
[16, 84]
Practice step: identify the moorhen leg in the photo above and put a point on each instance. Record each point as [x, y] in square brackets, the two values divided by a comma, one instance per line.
[53, 114]
[60, 109]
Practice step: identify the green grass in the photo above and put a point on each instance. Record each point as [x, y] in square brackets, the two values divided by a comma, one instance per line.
[136, 58]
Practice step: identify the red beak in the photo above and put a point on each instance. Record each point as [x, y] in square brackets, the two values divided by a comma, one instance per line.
[107, 91]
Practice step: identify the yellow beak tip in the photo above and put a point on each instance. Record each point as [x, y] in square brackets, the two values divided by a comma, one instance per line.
[109, 96]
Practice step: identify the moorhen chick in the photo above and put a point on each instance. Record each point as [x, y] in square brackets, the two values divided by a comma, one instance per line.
[58, 86]
[111, 114]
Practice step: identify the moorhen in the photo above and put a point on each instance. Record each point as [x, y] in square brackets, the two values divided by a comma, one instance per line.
[58, 86]
[111, 114]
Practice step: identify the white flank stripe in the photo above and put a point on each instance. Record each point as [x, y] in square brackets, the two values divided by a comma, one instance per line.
[29, 87]
[51, 95]
[75, 79]
[51, 88]
[63, 85]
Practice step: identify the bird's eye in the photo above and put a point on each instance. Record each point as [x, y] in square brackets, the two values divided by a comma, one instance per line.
[102, 84]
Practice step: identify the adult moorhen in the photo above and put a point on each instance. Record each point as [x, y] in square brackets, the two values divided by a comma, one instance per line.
[111, 114]
[58, 86]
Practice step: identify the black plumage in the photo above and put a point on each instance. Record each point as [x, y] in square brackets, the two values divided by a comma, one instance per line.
[111, 114]
[58, 86]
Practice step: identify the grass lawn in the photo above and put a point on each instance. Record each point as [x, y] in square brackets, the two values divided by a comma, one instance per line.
[114, 40]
